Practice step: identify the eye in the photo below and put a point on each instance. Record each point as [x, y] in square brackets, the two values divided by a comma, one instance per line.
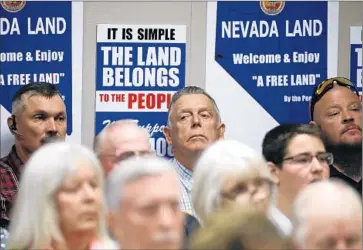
[356, 108]
[61, 118]
[303, 159]
[39, 117]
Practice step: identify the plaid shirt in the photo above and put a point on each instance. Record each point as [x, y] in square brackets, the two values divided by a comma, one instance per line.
[186, 181]
[10, 169]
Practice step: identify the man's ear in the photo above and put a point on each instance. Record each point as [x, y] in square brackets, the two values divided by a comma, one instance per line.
[222, 129]
[312, 123]
[275, 172]
[10, 124]
[113, 224]
[167, 134]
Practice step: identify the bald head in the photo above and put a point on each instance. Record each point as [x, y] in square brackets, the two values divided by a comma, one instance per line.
[119, 141]
[326, 214]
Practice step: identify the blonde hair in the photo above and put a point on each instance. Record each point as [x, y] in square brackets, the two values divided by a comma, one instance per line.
[34, 220]
[222, 158]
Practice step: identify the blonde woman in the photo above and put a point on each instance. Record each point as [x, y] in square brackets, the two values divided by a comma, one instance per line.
[60, 201]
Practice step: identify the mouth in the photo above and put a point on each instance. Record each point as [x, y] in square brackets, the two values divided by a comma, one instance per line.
[197, 137]
[352, 128]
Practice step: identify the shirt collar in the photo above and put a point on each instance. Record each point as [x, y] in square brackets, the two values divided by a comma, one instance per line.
[185, 175]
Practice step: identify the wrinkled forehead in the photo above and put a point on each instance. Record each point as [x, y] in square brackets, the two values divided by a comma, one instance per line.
[53, 104]
[337, 96]
[193, 102]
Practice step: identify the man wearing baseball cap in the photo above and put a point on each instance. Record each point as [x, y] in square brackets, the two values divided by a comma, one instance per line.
[336, 108]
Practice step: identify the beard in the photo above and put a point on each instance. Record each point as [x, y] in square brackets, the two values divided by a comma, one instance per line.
[347, 156]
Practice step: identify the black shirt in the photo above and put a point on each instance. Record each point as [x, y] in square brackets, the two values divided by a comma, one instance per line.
[334, 173]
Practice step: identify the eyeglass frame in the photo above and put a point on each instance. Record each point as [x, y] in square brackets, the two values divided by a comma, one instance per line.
[233, 197]
[328, 154]
[320, 91]
[125, 155]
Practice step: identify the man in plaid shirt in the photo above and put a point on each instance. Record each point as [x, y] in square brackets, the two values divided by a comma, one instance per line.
[38, 115]
[194, 122]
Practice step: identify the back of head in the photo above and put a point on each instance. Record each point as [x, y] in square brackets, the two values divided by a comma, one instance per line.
[276, 141]
[224, 157]
[34, 220]
[328, 199]
[133, 169]
[238, 227]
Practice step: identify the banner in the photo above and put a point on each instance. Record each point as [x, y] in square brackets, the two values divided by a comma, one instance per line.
[41, 42]
[356, 56]
[264, 58]
[139, 68]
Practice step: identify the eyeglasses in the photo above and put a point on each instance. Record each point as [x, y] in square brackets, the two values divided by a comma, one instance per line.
[260, 185]
[326, 85]
[306, 159]
[126, 155]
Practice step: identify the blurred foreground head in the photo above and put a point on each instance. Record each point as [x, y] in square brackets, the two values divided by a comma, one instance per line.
[238, 228]
[60, 200]
[328, 215]
[143, 202]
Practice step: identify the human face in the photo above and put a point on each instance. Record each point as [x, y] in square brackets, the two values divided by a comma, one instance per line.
[298, 172]
[194, 124]
[339, 115]
[79, 201]
[149, 215]
[40, 119]
[324, 233]
[248, 188]
[122, 143]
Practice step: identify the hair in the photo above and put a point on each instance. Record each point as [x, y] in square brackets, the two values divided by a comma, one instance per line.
[237, 228]
[133, 169]
[276, 141]
[101, 139]
[33, 89]
[34, 220]
[190, 90]
[218, 160]
[331, 197]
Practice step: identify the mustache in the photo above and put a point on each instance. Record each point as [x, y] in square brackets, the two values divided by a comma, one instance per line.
[166, 237]
[50, 138]
[352, 126]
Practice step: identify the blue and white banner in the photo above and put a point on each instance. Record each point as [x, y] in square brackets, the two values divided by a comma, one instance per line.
[356, 56]
[264, 59]
[139, 68]
[41, 41]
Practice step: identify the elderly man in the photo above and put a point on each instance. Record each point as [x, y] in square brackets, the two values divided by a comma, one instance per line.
[328, 215]
[143, 198]
[120, 141]
[38, 115]
[296, 157]
[337, 109]
[194, 122]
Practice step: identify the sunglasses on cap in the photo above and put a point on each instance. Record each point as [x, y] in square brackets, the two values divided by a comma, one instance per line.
[326, 85]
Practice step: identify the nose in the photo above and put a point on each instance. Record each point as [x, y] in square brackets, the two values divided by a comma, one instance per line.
[89, 193]
[341, 245]
[347, 116]
[51, 125]
[166, 217]
[196, 120]
[316, 165]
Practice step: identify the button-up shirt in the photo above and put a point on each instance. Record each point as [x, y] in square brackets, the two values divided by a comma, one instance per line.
[186, 183]
[10, 170]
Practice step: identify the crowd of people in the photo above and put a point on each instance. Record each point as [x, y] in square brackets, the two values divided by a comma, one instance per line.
[302, 191]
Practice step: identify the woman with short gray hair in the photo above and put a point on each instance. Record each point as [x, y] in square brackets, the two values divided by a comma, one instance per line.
[60, 201]
[228, 172]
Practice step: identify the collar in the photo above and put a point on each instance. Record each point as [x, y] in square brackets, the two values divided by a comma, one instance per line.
[185, 175]
[14, 160]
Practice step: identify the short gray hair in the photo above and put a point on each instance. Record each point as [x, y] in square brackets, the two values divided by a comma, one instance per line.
[329, 197]
[34, 222]
[220, 159]
[131, 170]
[191, 90]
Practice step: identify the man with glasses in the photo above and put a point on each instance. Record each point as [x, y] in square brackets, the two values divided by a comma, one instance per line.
[296, 157]
[336, 109]
[120, 141]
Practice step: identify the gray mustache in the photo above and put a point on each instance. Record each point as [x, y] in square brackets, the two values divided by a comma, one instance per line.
[166, 237]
